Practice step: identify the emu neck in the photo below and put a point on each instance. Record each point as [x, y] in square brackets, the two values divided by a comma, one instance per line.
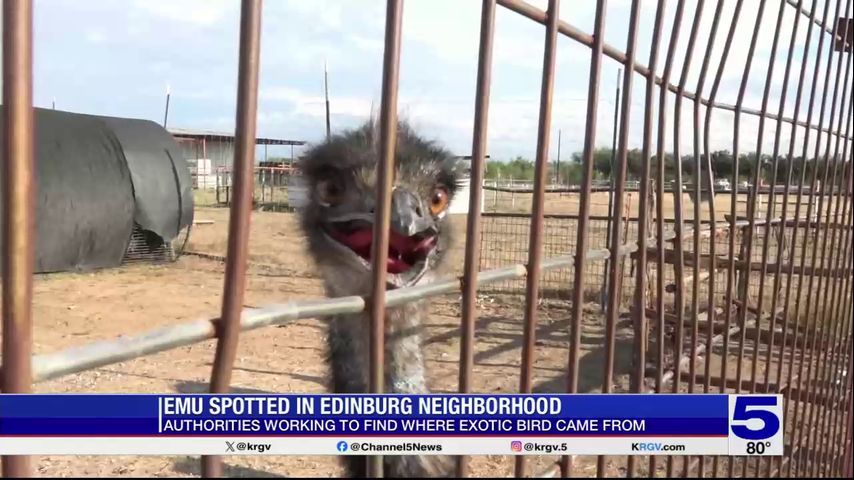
[349, 342]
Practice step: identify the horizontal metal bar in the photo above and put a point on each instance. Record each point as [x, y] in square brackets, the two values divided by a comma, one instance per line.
[527, 10]
[98, 354]
[108, 352]
[805, 12]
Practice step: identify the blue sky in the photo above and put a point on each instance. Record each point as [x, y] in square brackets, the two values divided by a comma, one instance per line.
[116, 58]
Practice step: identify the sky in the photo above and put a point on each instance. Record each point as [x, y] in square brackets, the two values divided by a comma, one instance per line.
[117, 58]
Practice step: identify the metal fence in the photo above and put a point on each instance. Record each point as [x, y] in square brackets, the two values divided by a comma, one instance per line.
[798, 345]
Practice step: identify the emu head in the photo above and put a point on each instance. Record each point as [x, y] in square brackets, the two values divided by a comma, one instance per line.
[341, 178]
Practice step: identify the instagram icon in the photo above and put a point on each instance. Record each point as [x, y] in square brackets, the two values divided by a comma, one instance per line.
[516, 446]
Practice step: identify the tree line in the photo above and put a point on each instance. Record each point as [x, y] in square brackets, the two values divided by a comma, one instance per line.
[723, 166]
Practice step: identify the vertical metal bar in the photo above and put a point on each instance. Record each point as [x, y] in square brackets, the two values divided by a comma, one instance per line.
[382, 218]
[757, 180]
[615, 274]
[536, 232]
[849, 454]
[241, 207]
[19, 200]
[641, 281]
[742, 281]
[818, 337]
[679, 223]
[821, 316]
[779, 256]
[581, 245]
[769, 216]
[730, 271]
[843, 306]
[611, 216]
[473, 223]
[835, 356]
[662, 125]
[712, 218]
[828, 369]
[796, 439]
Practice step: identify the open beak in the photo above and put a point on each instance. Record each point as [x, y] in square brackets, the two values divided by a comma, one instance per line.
[413, 237]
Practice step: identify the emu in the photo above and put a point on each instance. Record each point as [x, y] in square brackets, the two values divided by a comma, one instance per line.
[340, 176]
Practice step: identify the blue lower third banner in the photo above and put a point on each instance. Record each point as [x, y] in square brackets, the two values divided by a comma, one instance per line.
[584, 424]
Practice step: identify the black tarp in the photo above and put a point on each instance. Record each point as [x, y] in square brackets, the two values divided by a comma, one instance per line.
[96, 177]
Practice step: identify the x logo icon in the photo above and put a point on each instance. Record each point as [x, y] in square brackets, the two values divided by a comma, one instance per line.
[229, 446]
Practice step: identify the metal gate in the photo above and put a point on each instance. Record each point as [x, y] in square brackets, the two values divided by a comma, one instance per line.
[768, 296]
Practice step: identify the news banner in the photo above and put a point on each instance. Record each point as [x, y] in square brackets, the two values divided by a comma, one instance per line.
[448, 424]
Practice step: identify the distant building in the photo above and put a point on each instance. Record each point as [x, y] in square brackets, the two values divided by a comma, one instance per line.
[210, 154]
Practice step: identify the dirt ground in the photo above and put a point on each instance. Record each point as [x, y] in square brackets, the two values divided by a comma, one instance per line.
[72, 309]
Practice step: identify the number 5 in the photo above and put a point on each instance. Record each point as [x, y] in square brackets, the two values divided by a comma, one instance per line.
[741, 414]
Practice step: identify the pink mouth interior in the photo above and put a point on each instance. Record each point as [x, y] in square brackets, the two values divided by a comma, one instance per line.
[403, 252]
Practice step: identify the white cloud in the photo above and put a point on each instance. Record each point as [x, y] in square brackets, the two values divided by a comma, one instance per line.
[192, 45]
[198, 12]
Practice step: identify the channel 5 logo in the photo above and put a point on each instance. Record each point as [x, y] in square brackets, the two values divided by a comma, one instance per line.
[756, 424]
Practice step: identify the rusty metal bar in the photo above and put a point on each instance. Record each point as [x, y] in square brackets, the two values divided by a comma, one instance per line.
[843, 306]
[792, 251]
[98, 354]
[752, 214]
[710, 186]
[641, 323]
[19, 200]
[829, 371]
[679, 212]
[822, 316]
[382, 217]
[473, 223]
[742, 287]
[662, 125]
[241, 207]
[615, 274]
[712, 216]
[785, 319]
[771, 203]
[537, 209]
[769, 215]
[811, 16]
[581, 244]
[731, 270]
[834, 358]
[527, 10]
[810, 337]
[696, 277]
[820, 334]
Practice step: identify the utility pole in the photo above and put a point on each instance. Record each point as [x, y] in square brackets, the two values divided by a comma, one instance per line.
[557, 172]
[326, 89]
[166, 114]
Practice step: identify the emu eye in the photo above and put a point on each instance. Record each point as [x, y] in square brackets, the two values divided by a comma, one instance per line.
[330, 191]
[438, 200]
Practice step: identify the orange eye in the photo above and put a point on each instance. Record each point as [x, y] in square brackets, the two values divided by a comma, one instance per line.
[438, 200]
[330, 191]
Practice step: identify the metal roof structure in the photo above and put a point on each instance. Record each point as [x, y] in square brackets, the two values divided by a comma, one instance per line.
[194, 134]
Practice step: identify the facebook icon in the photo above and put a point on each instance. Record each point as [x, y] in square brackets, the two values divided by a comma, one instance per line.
[342, 446]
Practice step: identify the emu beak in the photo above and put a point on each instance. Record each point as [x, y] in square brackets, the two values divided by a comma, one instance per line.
[408, 214]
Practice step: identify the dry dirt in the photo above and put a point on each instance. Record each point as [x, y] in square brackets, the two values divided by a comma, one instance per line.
[73, 309]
